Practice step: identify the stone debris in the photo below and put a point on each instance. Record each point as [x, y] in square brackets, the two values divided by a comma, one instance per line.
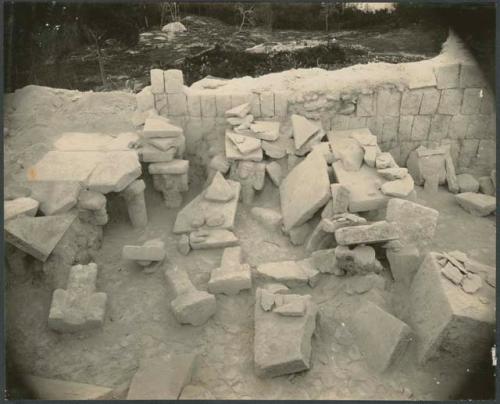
[378, 232]
[384, 161]
[381, 337]
[52, 389]
[404, 263]
[346, 149]
[477, 204]
[239, 111]
[282, 344]
[267, 217]
[183, 245]
[151, 251]
[467, 183]
[416, 223]
[451, 176]
[304, 191]
[55, 197]
[251, 176]
[299, 234]
[19, 206]
[471, 283]
[486, 186]
[232, 276]
[460, 270]
[393, 173]
[340, 198]
[37, 236]
[136, 203]
[452, 273]
[244, 144]
[266, 300]
[275, 150]
[359, 260]
[273, 170]
[303, 130]
[290, 273]
[190, 306]
[162, 378]
[266, 130]
[79, 307]
[445, 318]
[398, 188]
[219, 190]
[218, 238]
[160, 127]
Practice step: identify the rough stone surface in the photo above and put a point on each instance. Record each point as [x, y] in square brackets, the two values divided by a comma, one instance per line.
[232, 276]
[393, 173]
[324, 260]
[151, 250]
[477, 204]
[174, 167]
[303, 130]
[266, 130]
[267, 217]
[378, 232]
[304, 190]
[404, 263]
[359, 260]
[160, 127]
[218, 238]
[239, 111]
[244, 144]
[19, 206]
[219, 190]
[53, 389]
[90, 200]
[346, 149]
[79, 307]
[183, 245]
[486, 186]
[467, 183]
[115, 173]
[340, 198]
[273, 169]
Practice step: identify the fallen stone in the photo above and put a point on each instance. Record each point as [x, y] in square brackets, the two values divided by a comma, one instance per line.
[477, 204]
[424, 164]
[190, 306]
[218, 238]
[346, 149]
[385, 160]
[363, 136]
[275, 150]
[161, 378]
[364, 283]
[324, 260]
[305, 190]
[37, 236]
[19, 206]
[486, 186]
[340, 198]
[151, 250]
[313, 275]
[183, 245]
[42, 388]
[398, 188]
[174, 80]
[79, 307]
[404, 263]
[359, 260]
[55, 197]
[471, 283]
[451, 176]
[378, 232]
[416, 223]
[393, 173]
[91, 200]
[219, 190]
[303, 130]
[173, 167]
[266, 130]
[239, 111]
[467, 183]
[290, 273]
[452, 273]
[164, 144]
[446, 319]
[326, 151]
[381, 337]
[282, 345]
[245, 121]
[233, 153]
[267, 217]
[160, 127]
[273, 169]
[115, 173]
[77, 141]
[232, 276]
[215, 220]
[296, 308]
[299, 234]
[371, 153]
[275, 288]
[244, 144]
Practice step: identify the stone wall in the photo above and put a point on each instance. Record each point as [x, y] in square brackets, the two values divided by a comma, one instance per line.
[444, 100]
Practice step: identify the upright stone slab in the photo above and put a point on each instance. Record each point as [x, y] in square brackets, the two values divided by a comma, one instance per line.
[447, 319]
[79, 307]
[160, 127]
[381, 337]
[346, 149]
[304, 190]
[340, 198]
[232, 276]
[282, 344]
[303, 130]
[161, 378]
[55, 197]
[378, 232]
[404, 263]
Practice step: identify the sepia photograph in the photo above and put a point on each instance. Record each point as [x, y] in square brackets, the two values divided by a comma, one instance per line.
[249, 200]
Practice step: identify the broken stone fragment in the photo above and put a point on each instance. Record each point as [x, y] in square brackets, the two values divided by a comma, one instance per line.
[164, 144]
[150, 154]
[393, 173]
[398, 188]
[267, 217]
[244, 144]
[303, 130]
[219, 163]
[290, 273]
[477, 204]
[313, 275]
[151, 250]
[381, 337]
[217, 238]
[275, 150]
[266, 130]
[191, 306]
[299, 234]
[471, 283]
[276, 288]
[451, 176]
[266, 300]
[79, 307]
[378, 232]
[55, 197]
[90, 200]
[371, 153]
[219, 190]
[183, 245]
[160, 127]
[273, 169]
[340, 198]
[239, 111]
[16, 191]
[232, 276]
[236, 121]
[452, 273]
[359, 260]
[404, 263]
[296, 308]
[346, 149]
[385, 160]
[326, 151]
[467, 183]
[324, 260]
[486, 186]
[19, 206]
[364, 283]
[233, 151]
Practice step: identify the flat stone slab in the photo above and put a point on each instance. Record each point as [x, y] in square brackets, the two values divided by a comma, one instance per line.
[151, 154]
[160, 127]
[200, 206]
[160, 378]
[233, 153]
[218, 238]
[404, 263]
[79, 307]
[81, 141]
[304, 190]
[346, 149]
[174, 167]
[289, 273]
[282, 344]
[363, 185]
[477, 204]
[52, 389]
[239, 111]
[55, 197]
[447, 319]
[378, 232]
[19, 206]
[115, 172]
[381, 337]
[37, 236]
[303, 130]
[266, 130]
[244, 144]
[232, 276]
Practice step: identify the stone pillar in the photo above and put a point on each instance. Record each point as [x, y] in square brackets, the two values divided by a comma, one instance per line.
[136, 204]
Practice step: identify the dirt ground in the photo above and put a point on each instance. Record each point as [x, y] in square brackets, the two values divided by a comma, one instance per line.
[139, 322]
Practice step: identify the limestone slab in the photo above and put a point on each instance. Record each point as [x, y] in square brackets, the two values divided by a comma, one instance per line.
[19, 206]
[83, 141]
[115, 172]
[289, 273]
[303, 130]
[55, 197]
[266, 130]
[378, 232]
[174, 167]
[244, 144]
[477, 204]
[233, 153]
[217, 238]
[346, 149]
[232, 276]
[160, 127]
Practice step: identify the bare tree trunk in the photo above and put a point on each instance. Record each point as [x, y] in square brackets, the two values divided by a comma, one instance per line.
[242, 22]
[99, 58]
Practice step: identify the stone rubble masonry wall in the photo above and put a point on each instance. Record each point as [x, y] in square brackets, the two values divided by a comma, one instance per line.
[444, 100]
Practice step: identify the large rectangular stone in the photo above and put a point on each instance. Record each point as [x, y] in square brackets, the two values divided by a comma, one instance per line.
[471, 75]
[477, 204]
[430, 101]
[420, 128]
[232, 276]
[267, 104]
[388, 102]
[365, 105]
[447, 76]
[471, 103]
[439, 127]
[450, 102]
[157, 81]
[177, 104]
[458, 126]
[115, 172]
[410, 102]
[85, 141]
[174, 81]
[208, 105]
[255, 105]
[378, 232]
[281, 104]
[405, 127]
[55, 197]
[193, 104]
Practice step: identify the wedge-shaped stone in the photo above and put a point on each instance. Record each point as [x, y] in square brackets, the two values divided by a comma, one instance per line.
[363, 136]
[55, 197]
[416, 223]
[79, 307]
[290, 273]
[78, 141]
[282, 344]
[200, 205]
[346, 149]
[477, 204]
[218, 238]
[220, 190]
[115, 173]
[233, 153]
[175, 167]
[305, 190]
[19, 206]
[381, 337]
[303, 130]
[160, 127]
[447, 319]
[273, 170]
[394, 173]
[160, 378]
[37, 236]
[400, 188]
[42, 388]
[266, 130]
[239, 111]
[244, 144]
[378, 232]
[232, 276]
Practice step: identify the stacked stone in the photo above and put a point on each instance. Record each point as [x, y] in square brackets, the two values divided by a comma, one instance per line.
[92, 208]
[171, 179]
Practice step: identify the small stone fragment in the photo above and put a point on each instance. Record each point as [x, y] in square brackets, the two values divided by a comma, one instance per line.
[183, 245]
[393, 173]
[385, 160]
[471, 283]
[398, 188]
[239, 111]
[486, 186]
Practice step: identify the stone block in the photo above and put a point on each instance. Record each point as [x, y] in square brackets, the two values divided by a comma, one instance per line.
[223, 103]
[467, 183]
[151, 250]
[255, 105]
[399, 188]
[193, 101]
[446, 319]
[471, 103]
[55, 197]
[450, 102]
[305, 190]
[289, 273]
[267, 104]
[477, 204]
[488, 103]
[458, 126]
[478, 127]
[468, 152]
[161, 104]
[404, 263]
[410, 102]
[19, 206]
[388, 102]
[162, 378]
[439, 127]
[266, 130]
[340, 198]
[346, 149]
[273, 170]
[145, 99]
[365, 105]
[381, 337]
[303, 130]
[239, 98]
[378, 232]
[405, 127]
[356, 122]
[233, 153]
[177, 104]
[299, 234]
[360, 260]
[232, 276]
[447, 76]
[430, 101]
[216, 238]
[157, 81]
[324, 260]
[341, 122]
[208, 105]
[486, 185]
[420, 128]
[471, 76]
[42, 388]
[174, 81]
[281, 104]
[79, 307]
[160, 127]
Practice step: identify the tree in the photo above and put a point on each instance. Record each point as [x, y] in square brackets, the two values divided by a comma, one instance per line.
[169, 8]
[247, 14]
